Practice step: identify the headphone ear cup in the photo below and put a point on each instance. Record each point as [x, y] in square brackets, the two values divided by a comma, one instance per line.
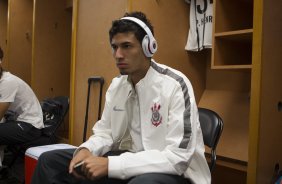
[153, 46]
[145, 46]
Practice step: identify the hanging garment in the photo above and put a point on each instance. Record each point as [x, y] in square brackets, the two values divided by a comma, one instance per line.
[200, 33]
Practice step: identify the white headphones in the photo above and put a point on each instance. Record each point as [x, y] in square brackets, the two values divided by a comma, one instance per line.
[149, 43]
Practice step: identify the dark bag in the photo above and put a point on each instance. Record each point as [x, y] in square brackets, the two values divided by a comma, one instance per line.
[52, 115]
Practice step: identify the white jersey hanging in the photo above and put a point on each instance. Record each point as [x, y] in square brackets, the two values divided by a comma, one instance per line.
[200, 33]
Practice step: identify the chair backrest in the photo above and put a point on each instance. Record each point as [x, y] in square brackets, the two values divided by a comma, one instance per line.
[212, 126]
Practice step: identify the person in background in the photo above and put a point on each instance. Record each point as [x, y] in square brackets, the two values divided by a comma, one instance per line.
[149, 132]
[21, 118]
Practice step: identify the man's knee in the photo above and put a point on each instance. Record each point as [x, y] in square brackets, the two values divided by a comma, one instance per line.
[47, 157]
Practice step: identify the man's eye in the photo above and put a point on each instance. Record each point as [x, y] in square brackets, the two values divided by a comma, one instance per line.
[127, 46]
[114, 47]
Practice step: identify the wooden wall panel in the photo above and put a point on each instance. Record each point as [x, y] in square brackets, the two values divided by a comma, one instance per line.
[270, 150]
[93, 57]
[3, 30]
[69, 4]
[20, 38]
[228, 94]
[52, 49]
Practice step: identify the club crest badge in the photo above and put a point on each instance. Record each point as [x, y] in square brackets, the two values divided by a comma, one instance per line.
[156, 117]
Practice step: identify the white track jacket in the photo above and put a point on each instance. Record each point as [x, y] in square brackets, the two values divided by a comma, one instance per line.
[170, 129]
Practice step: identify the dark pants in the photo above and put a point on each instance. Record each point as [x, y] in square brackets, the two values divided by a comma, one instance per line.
[16, 132]
[52, 168]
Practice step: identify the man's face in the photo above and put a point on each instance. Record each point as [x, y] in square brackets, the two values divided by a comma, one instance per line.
[129, 55]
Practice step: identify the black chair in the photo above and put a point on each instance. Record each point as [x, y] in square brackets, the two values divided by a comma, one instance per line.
[212, 126]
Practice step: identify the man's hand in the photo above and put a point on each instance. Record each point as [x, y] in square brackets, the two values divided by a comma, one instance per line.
[80, 156]
[93, 167]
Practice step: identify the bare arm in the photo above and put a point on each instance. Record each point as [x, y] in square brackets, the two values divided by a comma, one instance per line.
[3, 108]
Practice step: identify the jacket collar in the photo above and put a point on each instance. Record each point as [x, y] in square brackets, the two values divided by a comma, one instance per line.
[148, 77]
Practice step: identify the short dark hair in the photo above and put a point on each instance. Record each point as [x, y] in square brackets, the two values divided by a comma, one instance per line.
[1, 53]
[125, 26]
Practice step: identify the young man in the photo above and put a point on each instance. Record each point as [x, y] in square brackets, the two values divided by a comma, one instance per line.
[149, 131]
[25, 114]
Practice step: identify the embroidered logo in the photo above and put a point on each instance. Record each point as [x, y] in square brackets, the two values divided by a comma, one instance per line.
[156, 117]
[117, 109]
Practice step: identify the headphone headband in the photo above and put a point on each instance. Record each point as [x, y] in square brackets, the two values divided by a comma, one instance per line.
[149, 43]
[140, 23]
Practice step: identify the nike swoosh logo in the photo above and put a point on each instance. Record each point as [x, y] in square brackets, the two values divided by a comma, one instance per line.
[20, 126]
[117, 109]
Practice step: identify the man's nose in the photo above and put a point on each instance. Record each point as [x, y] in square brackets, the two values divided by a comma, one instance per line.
[118, 53]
